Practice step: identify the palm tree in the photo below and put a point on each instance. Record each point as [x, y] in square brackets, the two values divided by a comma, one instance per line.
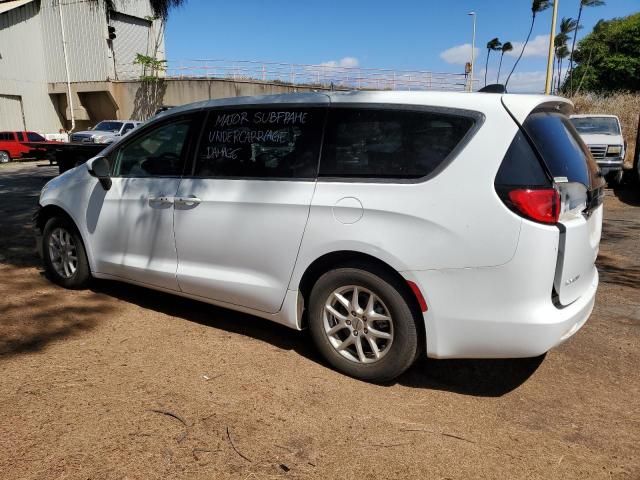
[506, 47]
[492, 45]
[583, 3]
[562, 52]
[567, 26]
[537, 6]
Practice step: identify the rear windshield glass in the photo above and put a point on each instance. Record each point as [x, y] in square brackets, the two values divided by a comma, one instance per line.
[596, 125]
[561, 148]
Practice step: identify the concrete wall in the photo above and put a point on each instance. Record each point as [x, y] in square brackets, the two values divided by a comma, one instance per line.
[138, 101]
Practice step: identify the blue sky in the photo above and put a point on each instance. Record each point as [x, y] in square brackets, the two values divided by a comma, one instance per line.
[420, 35]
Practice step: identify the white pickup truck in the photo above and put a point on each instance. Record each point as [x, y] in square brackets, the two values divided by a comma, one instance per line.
[603, 136]
[107, 131]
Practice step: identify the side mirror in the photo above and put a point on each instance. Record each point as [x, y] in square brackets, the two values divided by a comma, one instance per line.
[99, 167]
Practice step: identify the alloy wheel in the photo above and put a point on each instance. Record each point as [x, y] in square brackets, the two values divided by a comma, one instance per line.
[358, 324]
[63, 252]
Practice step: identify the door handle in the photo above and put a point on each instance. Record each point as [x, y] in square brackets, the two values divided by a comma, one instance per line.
[161, 200]
[190, 201]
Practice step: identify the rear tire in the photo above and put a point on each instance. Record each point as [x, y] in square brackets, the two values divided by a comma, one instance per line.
[375, 338]
[65, 259]
[4, 157]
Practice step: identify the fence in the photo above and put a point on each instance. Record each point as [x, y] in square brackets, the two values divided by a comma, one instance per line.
[322, 75]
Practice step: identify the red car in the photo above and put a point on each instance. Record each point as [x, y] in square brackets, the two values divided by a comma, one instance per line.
[12, 146]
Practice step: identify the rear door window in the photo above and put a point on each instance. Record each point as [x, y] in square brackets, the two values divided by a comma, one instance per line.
[390, 144]
[561, 148]
[267, 143]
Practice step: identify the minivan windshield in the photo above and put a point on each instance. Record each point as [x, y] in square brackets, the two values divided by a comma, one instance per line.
[108, 126]
[596, 125]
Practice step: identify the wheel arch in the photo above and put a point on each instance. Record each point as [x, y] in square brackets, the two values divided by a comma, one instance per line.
[51, 210]
[355, 259]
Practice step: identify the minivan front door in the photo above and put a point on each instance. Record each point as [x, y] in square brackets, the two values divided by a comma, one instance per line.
[131, 224]
[240, 217]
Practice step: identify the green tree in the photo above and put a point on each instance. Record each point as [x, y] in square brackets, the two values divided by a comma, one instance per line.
[537, 6]
[608, 58]
[492, 45]
[583, 4]
[506, 47]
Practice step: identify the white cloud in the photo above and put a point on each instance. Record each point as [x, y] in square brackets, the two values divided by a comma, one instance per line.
[459, 55]
[347, 62]
[537, 47]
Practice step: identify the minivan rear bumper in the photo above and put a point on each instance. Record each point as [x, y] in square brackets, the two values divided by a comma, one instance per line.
[474, 314]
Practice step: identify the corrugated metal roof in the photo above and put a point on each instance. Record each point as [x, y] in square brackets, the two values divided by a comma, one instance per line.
[7, 5]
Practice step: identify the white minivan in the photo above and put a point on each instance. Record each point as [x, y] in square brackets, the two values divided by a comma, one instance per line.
[391, 224]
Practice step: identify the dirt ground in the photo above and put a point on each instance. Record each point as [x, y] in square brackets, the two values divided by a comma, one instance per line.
[120, 382]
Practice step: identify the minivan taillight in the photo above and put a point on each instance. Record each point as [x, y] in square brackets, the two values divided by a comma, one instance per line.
[540, 205]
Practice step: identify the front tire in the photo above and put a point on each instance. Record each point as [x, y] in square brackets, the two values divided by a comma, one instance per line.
[4, 157]
[65, 259]
[362, 324]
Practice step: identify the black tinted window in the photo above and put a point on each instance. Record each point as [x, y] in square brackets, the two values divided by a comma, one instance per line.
[561, 147]
[389, 143]
[261, 143]
[6, 136]
[34, 137]
[157, 152]
[521, 166]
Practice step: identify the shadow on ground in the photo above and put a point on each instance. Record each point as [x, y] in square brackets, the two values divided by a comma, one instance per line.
[34, 313]
[19, 191]
[485, 378]
[628, 193]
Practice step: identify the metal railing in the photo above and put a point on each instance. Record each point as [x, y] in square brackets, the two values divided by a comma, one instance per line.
[321, 75]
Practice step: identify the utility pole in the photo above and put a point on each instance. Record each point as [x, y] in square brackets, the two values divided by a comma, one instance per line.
[554, 18]
[473, 50]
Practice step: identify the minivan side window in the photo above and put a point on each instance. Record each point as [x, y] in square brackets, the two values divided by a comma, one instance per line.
[389, 143]
[157, 152]
[269, 143]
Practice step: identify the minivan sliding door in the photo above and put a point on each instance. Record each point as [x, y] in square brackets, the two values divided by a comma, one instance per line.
[240, 216]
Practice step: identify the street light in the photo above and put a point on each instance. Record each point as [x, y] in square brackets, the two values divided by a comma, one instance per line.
[473, 50]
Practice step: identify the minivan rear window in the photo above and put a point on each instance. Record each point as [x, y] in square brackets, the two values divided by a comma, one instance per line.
[389, 143]
[561, 148]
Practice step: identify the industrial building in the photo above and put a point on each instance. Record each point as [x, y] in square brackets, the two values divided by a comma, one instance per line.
[59, 59]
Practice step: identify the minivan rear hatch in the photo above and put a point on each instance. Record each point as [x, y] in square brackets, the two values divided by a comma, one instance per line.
[581, 187]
